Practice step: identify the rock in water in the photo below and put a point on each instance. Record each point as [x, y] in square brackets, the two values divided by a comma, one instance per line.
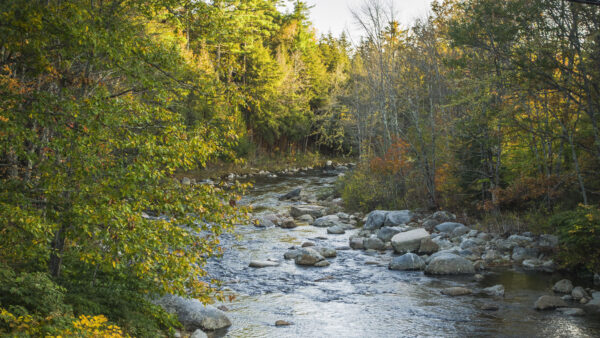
[409, 241]
[292, 254]
[306, 218]
[314, 211]
[282, 323]
[262, 264]
[336, 230]
[322, 264]
[357, 243]
[193, 315]
[578, 293]
[408, 261]
[449, 264]
[373, 243]
[288, 223]
[327, 221]
[198, 334]
[428, 246]
[448, 226]
[294, 193]
[456, 291]
[386, 233]
[326, 252]
[396, 218]
[549, 303]
[375, 219]
[571, 311]
[563, 286]
[496, 290]
[308, 256]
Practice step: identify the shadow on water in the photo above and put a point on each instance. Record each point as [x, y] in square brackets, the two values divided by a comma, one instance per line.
[357, 296]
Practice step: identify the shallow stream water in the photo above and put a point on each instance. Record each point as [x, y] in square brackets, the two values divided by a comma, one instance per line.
[357, 296]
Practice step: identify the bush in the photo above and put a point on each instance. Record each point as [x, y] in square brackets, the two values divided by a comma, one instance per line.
[579, 233]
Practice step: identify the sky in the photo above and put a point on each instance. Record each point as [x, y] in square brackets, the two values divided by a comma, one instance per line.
[335, 15]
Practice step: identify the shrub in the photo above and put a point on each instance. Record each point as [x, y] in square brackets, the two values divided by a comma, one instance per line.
[579, 233]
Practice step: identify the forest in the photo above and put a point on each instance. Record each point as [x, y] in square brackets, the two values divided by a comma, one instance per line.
[490, 109]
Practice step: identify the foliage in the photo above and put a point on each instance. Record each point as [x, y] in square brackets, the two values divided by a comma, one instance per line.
[579, 232]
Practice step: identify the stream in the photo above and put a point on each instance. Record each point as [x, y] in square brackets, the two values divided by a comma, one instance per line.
[357, 296]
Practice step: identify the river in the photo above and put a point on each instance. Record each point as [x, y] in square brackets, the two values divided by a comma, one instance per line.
[357, 296]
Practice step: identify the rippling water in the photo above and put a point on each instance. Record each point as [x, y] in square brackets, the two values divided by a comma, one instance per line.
[357, 296]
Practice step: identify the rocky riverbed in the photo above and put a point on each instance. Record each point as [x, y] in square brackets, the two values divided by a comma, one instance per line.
[305, 268]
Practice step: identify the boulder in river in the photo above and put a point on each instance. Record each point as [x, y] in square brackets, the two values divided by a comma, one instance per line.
[428, 246]
[386, 233]
[571, 311]
[263, 222]
[520, 254]
[263, 264]
[373, 243]
[357, 243]
[198, 334]
[563, 286]
[193, 315]
[306, 218]
[326, 252]
[291, 254]
[549, 303]
[409, 261]
[578, 293]
[456, 291]
[308, 256]
[448, 227]
[294, 193]
[375, 219]
[315, 211]
[449, 264]
[336, 229]
[409, 241]
[396, 218]
[327, 221]
[288, 223]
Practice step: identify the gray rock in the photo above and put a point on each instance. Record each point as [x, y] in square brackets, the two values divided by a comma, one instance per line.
[571, 311]
[374, 243]
[193, 315]
[471, 243]
[307, 244]
[396, 218]
[447, 226]
[473, 233]
[578, 293]
[294, 193]
[263, 264]
[484, 236]
[326, 252]
[308, 256]
[443, 216]
[456, 291]
[375, 219]
[409, 241]
[282, 323]
[306, 218]
[263, 222]
[518, 240]
[428, 246]
[520, 254]
[291, 254]
[322, 264]
[593, 305]
[198, 334]
[449, 264]
[429, 224]
[314, 211]
[186, 181]
[563, 286]
[549, 303]
[357, 243]
[548, 242]
[408, 261]
[538, 265]
[288, 223]
[386, 233]
[491, 255]
[496, 291]
[478, 277]
[336, 230]
[459, 231]
[327, 221]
